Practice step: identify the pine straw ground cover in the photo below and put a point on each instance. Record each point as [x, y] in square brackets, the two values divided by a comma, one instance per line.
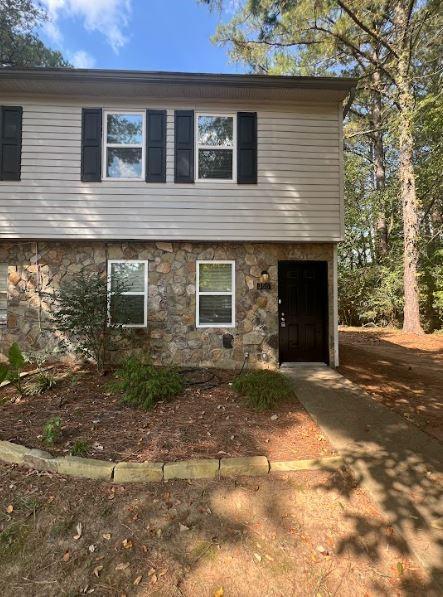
[308, 533]
[208, 419]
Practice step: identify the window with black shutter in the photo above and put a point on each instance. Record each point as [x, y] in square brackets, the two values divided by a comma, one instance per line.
[10, 142]
[156, 146]
[184, 146]
[91, 162]
[247, 147]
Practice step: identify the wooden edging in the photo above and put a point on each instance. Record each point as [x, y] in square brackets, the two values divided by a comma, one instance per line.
[143, 472]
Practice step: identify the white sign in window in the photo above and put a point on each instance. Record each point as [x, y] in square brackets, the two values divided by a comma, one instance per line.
[128, 293]
[215, 147]
[124, 145]
[215, 294]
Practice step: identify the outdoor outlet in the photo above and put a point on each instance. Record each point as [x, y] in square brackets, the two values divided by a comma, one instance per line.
[246, 355]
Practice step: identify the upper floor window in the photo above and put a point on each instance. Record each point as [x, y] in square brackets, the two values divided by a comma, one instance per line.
[124, 145]
[215, 147]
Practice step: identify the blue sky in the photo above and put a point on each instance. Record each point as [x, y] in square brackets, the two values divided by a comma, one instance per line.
[136, 34]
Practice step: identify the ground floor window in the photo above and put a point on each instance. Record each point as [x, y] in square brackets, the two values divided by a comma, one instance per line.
[3, 293]
[128, 293]
[215, 302]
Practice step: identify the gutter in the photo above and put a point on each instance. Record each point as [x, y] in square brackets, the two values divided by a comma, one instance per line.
[178, 78]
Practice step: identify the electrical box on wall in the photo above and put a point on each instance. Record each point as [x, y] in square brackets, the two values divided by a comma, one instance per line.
[228, 340]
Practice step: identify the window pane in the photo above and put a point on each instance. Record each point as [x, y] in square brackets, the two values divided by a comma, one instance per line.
[128, 310]
[215, 163]
[215, 309]
[3, 308]
[215, 277]
[128, 277]
[125, 128]
[216, 130]
[124, 162]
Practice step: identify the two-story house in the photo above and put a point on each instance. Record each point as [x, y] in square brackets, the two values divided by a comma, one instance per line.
[219, 196]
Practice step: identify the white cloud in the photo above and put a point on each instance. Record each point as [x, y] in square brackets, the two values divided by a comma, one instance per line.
[81, 59]
[108, 17]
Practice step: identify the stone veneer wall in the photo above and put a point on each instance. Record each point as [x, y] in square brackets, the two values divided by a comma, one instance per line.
[36, 271]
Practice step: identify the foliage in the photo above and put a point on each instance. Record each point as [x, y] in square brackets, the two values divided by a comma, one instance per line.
[82, 315]
[371, 294]
[262, 388]
[80, 448]
[19, 44]
[143, 384]
[392, 135]
[52, 430]
[44, 381]
[11, 370]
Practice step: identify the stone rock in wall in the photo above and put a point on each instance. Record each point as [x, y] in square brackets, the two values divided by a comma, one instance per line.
[253, 338]
[164, 247]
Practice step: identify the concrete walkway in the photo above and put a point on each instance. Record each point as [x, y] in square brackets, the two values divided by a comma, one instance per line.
[396, 463]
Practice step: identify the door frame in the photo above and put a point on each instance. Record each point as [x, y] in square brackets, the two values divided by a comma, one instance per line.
[326, 351]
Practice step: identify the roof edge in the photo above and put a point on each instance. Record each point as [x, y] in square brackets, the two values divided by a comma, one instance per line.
[179, 78]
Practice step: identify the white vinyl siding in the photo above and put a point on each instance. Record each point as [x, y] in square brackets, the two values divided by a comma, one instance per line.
[296, 198]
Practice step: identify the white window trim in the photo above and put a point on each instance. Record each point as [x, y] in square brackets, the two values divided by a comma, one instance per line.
[198, 293]
[130, 293]
[232, 115]
[4, 291]
[105, 145]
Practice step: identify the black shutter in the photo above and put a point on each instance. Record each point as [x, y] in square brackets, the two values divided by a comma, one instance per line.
[184, 146]
[92, 144]
[247, 147]
[155, 145]
[10, 142]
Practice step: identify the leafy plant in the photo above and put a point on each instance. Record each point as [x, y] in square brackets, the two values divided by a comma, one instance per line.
[262, 388]
[11, 370]
[80, 448]
[52, 430]
[143, 384]
[44, 382]
[82, 315]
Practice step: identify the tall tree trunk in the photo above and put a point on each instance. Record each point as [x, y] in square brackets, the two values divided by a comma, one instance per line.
[381, 229]
[411, 322]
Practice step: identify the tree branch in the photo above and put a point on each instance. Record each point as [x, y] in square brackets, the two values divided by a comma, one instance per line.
[365, 28]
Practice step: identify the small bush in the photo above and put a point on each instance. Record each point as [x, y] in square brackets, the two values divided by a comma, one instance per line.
[80, 448]
[52, 430]
[263, 389]
[143, 385]
[12, 370]
[42, 383]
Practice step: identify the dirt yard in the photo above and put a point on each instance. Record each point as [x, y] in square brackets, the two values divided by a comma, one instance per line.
[207, 420]
[300, 534]
[403, 371]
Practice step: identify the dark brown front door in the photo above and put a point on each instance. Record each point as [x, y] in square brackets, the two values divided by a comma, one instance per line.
[303, 311]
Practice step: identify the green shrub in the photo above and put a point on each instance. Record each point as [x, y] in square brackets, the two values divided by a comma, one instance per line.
[82, 315]
[79, 448]
[42, 383]
[143, 385]
[52, 430]
[11, 370]
[263, 389]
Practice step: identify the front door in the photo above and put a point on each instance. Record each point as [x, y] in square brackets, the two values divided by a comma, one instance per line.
[303, 311]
